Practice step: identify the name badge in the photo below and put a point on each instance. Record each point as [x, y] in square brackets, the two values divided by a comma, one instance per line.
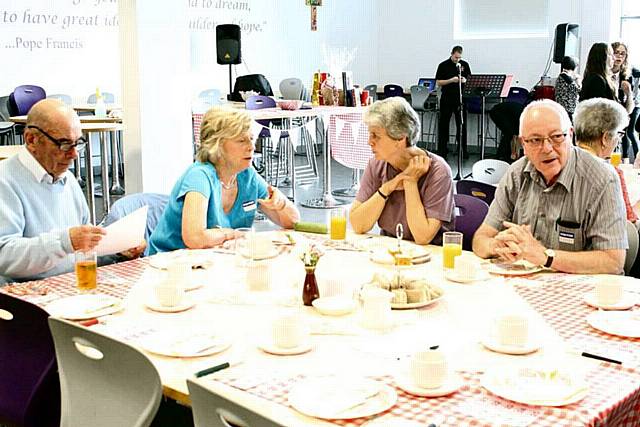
[566, 237]
[249, 206]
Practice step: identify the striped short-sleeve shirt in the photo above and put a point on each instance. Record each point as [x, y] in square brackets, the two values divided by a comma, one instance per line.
[582, 210]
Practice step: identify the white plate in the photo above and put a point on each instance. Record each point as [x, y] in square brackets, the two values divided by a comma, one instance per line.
[334, 306]
[380, 255]
[518, 268]
[154, 305]
[536, 387]
[181, 344]
[453, 276]
[412, 305]
[621, 323]
[492, 343]
[271, 253]
[271, 348]
[333, 399]
[80, 307]
[628, 300]
[197, 257]
[452, 383]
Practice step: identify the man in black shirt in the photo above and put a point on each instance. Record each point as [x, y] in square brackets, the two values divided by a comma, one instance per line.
[447, 78]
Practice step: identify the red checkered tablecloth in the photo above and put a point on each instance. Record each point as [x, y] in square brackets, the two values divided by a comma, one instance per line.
[349, 136]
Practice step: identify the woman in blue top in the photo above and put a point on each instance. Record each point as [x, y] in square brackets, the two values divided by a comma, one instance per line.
[220, 191]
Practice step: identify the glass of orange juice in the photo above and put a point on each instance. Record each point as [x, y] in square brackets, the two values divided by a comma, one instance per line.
[616, 158]
[86, 270]
[338, 224]
[451, 248]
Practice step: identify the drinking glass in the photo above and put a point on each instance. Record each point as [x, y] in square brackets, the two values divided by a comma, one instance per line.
[86, 270]
[338, 224]
[616, 158]
[451, 248]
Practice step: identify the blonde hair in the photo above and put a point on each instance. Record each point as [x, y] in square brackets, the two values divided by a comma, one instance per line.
[217, 125]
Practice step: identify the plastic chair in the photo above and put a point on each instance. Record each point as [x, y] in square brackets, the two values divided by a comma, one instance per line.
[7, 128]
[393, 90]
[518, 95]
[127, 204]
[489, 171]
[373, 92]
[62, 97]
[104, 382]
[210, 97]
[213, 410]
[480, 190]
[470, 215]
[354, 154]
[29, 389]
[107, 97]
[632, 252]
[23, 97]
[291, 88]
[419, 102]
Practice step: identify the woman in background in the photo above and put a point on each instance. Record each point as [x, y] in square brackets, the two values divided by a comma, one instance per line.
[568, 85]
[220, 191]
[622, 80]
[597, 81]
[402, 184]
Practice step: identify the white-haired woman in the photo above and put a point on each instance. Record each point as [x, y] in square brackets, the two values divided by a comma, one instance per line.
[402, 184]
[220, 191]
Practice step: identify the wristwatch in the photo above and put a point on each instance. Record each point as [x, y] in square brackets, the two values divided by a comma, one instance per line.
[550, 253]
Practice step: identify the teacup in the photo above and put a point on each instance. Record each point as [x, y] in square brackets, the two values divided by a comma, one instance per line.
[609, 290]
[169, 294]
[429, 368]
[258, 275]
[512, 329]
[289, 331]
[179, 272]
[466, 267]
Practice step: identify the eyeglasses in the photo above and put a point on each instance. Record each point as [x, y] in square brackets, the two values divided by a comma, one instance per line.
[63, 144]
[621, 133]
[537, 141]
[620, 53]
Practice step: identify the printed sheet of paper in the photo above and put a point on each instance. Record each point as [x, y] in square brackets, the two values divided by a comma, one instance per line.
[126, 233]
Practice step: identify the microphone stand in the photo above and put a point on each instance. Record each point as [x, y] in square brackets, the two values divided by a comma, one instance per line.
[459, 131]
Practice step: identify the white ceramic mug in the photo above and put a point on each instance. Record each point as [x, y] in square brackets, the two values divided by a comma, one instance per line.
[609, 290]
[169, 294]
[512, 330]
[429, 368]
[466, 267]
[258, 275]
[289, 331]
[376, 308]
[180, 273]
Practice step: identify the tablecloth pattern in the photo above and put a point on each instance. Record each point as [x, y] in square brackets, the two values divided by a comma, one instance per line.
[349, 139]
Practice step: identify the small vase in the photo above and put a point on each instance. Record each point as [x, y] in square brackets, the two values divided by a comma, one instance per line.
[310, 289]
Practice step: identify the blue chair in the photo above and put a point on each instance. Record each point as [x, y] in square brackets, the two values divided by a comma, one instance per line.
[23, 97]
[7, 128]
[66, 99]
[393, 90]
[127, 204]
[480, 190]
[518, 95]
[470, 215]
[107, 97]
[29, 385]
[373, 92]
[210, 97]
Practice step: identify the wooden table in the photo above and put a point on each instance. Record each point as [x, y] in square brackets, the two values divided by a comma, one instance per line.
[341, 346]
[7, 151]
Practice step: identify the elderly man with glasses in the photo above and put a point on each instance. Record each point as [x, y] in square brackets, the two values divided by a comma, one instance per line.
[44, 216]
[558, 207]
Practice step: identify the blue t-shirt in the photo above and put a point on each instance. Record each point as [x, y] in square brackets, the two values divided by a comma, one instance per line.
[203, 178]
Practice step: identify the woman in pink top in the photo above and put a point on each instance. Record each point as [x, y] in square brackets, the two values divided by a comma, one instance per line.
[402, 184]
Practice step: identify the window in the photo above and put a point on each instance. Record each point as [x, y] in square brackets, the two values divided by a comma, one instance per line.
[478, 19]
[630, 29]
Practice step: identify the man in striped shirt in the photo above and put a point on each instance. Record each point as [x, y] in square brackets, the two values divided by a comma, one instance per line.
[559, 206]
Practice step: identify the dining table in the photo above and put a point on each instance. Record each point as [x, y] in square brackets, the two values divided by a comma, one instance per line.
[7, 151]
[344, 350]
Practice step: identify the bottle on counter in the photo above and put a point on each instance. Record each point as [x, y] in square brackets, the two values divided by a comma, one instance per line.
[101, 108]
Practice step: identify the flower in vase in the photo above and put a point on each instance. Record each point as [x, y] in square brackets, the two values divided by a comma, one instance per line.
[311, 255]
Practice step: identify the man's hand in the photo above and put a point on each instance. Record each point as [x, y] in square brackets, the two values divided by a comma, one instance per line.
[418, 166]
[85, 237]
[134, 253]
[276, 200]
[520, 236]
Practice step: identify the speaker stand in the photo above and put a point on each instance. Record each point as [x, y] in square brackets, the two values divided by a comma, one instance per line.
[230, 89]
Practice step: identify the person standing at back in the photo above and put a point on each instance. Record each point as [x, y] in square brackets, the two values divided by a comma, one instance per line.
[621, 74]
[568, 85]
[450, 73]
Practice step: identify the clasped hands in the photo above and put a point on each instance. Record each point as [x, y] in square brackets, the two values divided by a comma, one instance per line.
[516, 242]
[418, 166]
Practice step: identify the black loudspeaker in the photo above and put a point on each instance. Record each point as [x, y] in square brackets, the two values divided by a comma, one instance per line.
[228, 44]
[566, 42]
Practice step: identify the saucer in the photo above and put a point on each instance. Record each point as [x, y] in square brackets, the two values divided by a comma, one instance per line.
[271, 348]
[451, 384]
[627, 301]
[154, 305]
[455, 277]
[492, 343]
[334, 306]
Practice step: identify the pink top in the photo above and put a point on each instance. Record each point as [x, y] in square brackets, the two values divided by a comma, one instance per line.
[631, 214]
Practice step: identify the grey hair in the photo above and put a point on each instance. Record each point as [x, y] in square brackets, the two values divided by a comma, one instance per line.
[597, 116]
[396, 117]
[565, 121]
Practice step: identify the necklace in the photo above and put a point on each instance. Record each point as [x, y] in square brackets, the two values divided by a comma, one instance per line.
[232, 182]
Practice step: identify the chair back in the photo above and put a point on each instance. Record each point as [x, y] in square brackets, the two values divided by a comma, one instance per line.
[349, 137]
[23, 97]
[104, 382]
[212, 410]
[132, 202]
[393, 90]
[62, 97]
[107, 97]
[489, 171]
[291, 88]
[480, 190]
[29, 389]
[210, 97]
[632, 252]
[518, 95]
[373, 92]
[470, 215]
[419, 96]
[259, 102]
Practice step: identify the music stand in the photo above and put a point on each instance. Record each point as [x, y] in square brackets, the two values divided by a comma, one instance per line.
[483, 85]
